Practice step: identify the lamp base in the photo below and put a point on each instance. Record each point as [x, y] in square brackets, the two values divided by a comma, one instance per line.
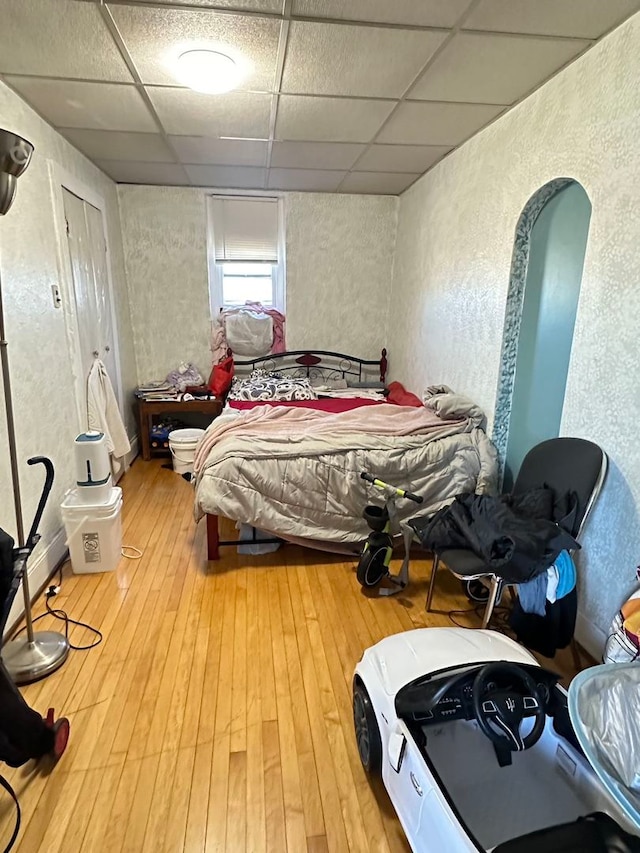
[29, 662]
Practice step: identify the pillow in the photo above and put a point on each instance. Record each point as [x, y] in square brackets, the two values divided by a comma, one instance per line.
[271, 386]
[399, 395]
[329, 384]
[221, 377]
[368, 384]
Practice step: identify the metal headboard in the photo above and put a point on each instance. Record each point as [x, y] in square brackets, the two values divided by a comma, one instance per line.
[318, 364]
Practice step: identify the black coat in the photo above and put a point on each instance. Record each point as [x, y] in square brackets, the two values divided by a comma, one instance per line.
[516, 536]
[6, 566]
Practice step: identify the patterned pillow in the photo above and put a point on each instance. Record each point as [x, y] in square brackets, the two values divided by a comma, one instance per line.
[262, 385]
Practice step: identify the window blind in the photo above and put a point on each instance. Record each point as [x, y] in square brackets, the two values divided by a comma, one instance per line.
[245, 229]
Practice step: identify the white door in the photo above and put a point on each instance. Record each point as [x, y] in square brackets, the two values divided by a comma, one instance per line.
[92, 296]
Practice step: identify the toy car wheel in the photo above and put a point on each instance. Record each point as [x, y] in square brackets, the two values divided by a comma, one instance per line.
[367, 732]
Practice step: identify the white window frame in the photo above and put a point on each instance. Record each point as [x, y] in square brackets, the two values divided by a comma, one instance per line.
[215, 269]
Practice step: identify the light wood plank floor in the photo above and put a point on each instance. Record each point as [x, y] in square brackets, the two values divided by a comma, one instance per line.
[216, 714]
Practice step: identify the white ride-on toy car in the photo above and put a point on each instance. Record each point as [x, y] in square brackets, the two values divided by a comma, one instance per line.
[477, 749]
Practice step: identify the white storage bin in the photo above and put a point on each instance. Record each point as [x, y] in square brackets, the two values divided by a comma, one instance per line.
[183, 443]
[94, 532]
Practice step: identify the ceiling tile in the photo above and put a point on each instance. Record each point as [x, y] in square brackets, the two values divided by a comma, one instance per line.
[577, 18]
[110, 145]
[72, 41]
[165, 174]
[416, 123]
[220, 152]
[382, 183]
[156, 37]
[315, 155]
[303, 180]
[401, 158]
[273, 6]
[100, 106]
[493, 69]
[338, 59]
[422, 13]
[226, 176]
[186, 113]
[330, 119]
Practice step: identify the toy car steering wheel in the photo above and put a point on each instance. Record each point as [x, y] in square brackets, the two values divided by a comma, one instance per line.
[506, 709]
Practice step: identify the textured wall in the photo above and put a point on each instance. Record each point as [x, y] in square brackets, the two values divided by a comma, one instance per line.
[455, 238]
[339, 269]
[339, 256]
[165, 243]
[44, 397]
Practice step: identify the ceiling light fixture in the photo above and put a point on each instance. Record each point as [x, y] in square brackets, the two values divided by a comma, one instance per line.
[208, 71]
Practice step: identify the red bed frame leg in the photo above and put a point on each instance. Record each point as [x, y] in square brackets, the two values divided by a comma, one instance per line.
[213, 551]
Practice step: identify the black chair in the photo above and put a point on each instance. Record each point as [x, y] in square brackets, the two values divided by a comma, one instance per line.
[563, 464]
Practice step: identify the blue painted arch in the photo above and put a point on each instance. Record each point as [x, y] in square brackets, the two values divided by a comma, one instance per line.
[522, 275]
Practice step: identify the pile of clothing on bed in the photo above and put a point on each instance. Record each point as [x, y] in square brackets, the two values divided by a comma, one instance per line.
[292, 467]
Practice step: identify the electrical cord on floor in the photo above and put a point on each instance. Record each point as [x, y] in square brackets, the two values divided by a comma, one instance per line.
[500, 616]
[51, 592]
[16, 828]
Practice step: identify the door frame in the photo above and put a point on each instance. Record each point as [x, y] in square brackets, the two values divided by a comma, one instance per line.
[513, 311]
[62, 180]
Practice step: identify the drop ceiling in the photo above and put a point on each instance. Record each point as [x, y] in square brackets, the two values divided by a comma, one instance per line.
[356, 96]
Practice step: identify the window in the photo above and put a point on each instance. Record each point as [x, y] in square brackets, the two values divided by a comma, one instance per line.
[246, 255]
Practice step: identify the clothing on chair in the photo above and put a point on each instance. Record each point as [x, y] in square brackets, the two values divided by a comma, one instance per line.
[558, 581]
[533, 595]
[104, 415]
[546, 634]
[566, 570]
[514, 535]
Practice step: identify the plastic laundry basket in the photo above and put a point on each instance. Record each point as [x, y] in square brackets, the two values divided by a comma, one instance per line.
[183, 443]
[94, 532]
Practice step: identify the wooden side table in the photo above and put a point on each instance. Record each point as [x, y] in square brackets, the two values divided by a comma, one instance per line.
[148, 408]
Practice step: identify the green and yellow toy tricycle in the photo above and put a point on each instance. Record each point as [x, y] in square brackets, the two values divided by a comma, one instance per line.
[375, 558]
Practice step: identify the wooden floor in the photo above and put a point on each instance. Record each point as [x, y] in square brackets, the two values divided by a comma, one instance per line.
[216, 714]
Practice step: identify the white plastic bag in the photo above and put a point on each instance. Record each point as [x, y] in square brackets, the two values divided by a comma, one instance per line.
[249, 333]
[609, 704]
[255, 548]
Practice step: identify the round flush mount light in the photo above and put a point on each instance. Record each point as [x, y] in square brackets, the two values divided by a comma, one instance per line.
[209, 71]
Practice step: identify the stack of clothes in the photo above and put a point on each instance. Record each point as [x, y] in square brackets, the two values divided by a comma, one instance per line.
[525, 540]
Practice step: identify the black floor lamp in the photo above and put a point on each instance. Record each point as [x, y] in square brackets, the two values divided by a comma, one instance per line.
[37, 654]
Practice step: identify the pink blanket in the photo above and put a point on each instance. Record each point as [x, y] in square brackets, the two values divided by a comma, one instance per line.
[284, 422]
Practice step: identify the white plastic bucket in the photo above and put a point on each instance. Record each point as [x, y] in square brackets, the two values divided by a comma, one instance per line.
[94, 532]
[183, 443]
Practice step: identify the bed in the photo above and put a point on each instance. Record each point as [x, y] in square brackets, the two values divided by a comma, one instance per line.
[292, 466]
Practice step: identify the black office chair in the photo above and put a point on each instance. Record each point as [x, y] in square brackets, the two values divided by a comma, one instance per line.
[563, 464]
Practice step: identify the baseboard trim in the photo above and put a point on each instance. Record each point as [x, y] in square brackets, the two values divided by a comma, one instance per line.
[134, 441]
[40, 571]
[135, 449]
[592, 638]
